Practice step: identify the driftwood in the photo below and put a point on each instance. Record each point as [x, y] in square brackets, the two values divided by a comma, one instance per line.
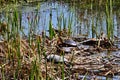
[98, 42]
[79, 57]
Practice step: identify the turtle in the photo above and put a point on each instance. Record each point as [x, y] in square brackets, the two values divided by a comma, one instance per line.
[56, 58]
[70, 43]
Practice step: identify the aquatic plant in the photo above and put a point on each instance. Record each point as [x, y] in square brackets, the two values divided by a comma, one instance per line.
[27, 58]
[70, 20]
[51, 30]
[109, 19]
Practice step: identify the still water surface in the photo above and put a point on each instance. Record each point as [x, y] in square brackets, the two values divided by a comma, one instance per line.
[82, 20]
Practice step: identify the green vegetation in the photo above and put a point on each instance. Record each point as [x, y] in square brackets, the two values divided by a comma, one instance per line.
[109, 19]
[51, 30]
[25, 56]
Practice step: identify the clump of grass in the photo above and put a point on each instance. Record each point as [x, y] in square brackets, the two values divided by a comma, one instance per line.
[16, 53]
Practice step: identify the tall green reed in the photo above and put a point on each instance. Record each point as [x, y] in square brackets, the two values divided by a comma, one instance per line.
[93, 29]
[16, 39]
[38, 40]
[109, 19]
[13, 37]
[64, 22]
[34, 73]
[51, 30]
[70, 21]
[59, 21]
[13, 40]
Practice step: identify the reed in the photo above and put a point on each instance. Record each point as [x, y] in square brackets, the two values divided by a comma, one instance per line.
[93, 29]
[59, 21]
[64, 22]
[70, 20]
[63, 73]
[13, 37]
[51, 30]
[109, 19]
[26, 63]
[34, 73]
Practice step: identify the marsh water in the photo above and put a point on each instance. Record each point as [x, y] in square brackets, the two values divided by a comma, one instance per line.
[82, 20]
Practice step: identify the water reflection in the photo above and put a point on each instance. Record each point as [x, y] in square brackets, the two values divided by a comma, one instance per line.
[83, 20]
[43, 14]
[98, 77]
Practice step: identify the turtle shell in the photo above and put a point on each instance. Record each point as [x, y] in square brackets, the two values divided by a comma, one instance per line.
[70, 43]
[56, 58]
